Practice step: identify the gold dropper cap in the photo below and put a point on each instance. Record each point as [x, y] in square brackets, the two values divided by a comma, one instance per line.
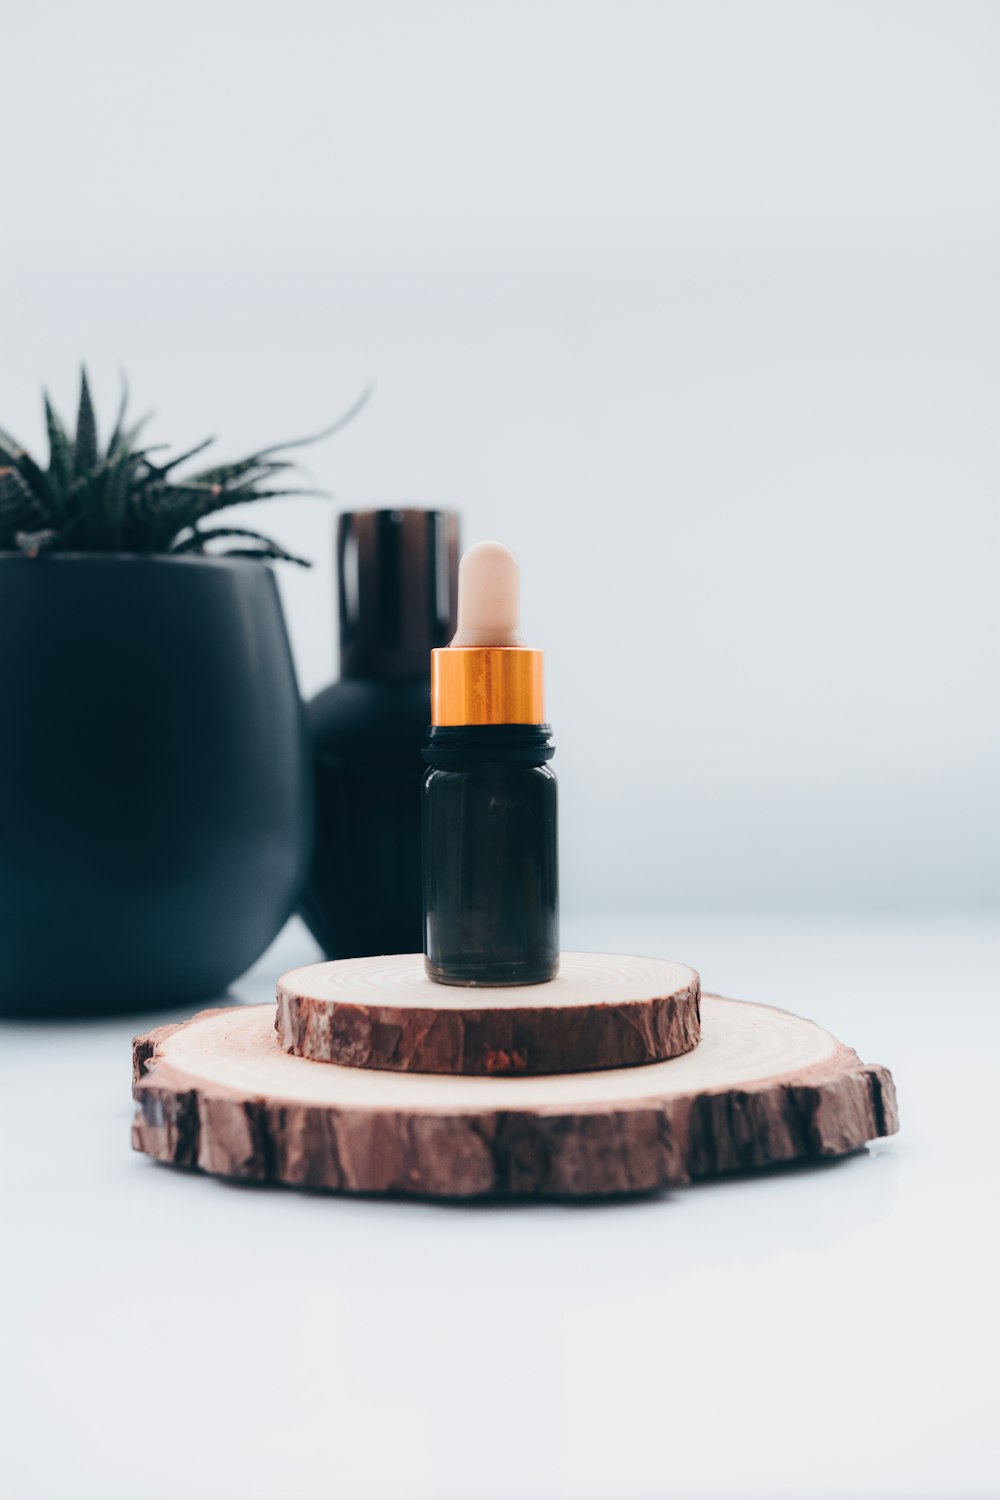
[487, 675]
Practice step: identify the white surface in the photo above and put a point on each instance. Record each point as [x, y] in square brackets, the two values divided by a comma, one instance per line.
[819, 1334]
[694, 305]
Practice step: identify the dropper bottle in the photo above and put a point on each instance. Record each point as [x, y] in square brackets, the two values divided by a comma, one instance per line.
[490, 878]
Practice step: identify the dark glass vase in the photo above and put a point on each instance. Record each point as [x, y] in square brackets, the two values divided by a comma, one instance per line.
[397, 582]
[154, 782]
[363, 894]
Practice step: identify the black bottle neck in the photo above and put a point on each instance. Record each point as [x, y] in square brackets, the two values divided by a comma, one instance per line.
[472, 744]
[397, 573]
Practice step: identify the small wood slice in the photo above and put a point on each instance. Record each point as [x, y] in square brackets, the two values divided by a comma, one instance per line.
[604, 1010]
[219, 1094]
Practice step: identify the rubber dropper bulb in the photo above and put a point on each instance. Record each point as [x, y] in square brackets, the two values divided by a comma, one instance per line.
[489, 597]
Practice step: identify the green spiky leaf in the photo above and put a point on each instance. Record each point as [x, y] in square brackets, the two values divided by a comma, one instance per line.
[36, 479]
[85, 447]
[116, 432]
[15, 493]
[60, 452]
[19, 506]
[11, 450]
[196, 543]
[182, 458]
[125, 500]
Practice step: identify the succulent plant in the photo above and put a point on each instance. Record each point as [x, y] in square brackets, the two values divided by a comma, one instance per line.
[122, 499]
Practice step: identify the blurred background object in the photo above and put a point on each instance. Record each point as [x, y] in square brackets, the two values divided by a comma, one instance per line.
[397, 586]
[155, 795]
[696, 304]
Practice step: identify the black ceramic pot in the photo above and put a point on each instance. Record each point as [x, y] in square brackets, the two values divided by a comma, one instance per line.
[154, 783]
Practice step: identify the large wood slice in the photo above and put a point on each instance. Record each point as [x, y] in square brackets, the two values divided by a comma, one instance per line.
[604, 1010]
[219, 1094]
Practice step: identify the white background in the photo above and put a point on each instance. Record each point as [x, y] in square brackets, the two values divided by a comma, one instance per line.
[696, 306]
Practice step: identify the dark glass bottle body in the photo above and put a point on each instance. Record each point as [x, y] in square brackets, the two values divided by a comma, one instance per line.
[490, 859]
[396, 584]
[363, 894]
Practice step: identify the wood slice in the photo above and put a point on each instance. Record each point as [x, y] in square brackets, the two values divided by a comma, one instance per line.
[604, 1010]
[219, 1094]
